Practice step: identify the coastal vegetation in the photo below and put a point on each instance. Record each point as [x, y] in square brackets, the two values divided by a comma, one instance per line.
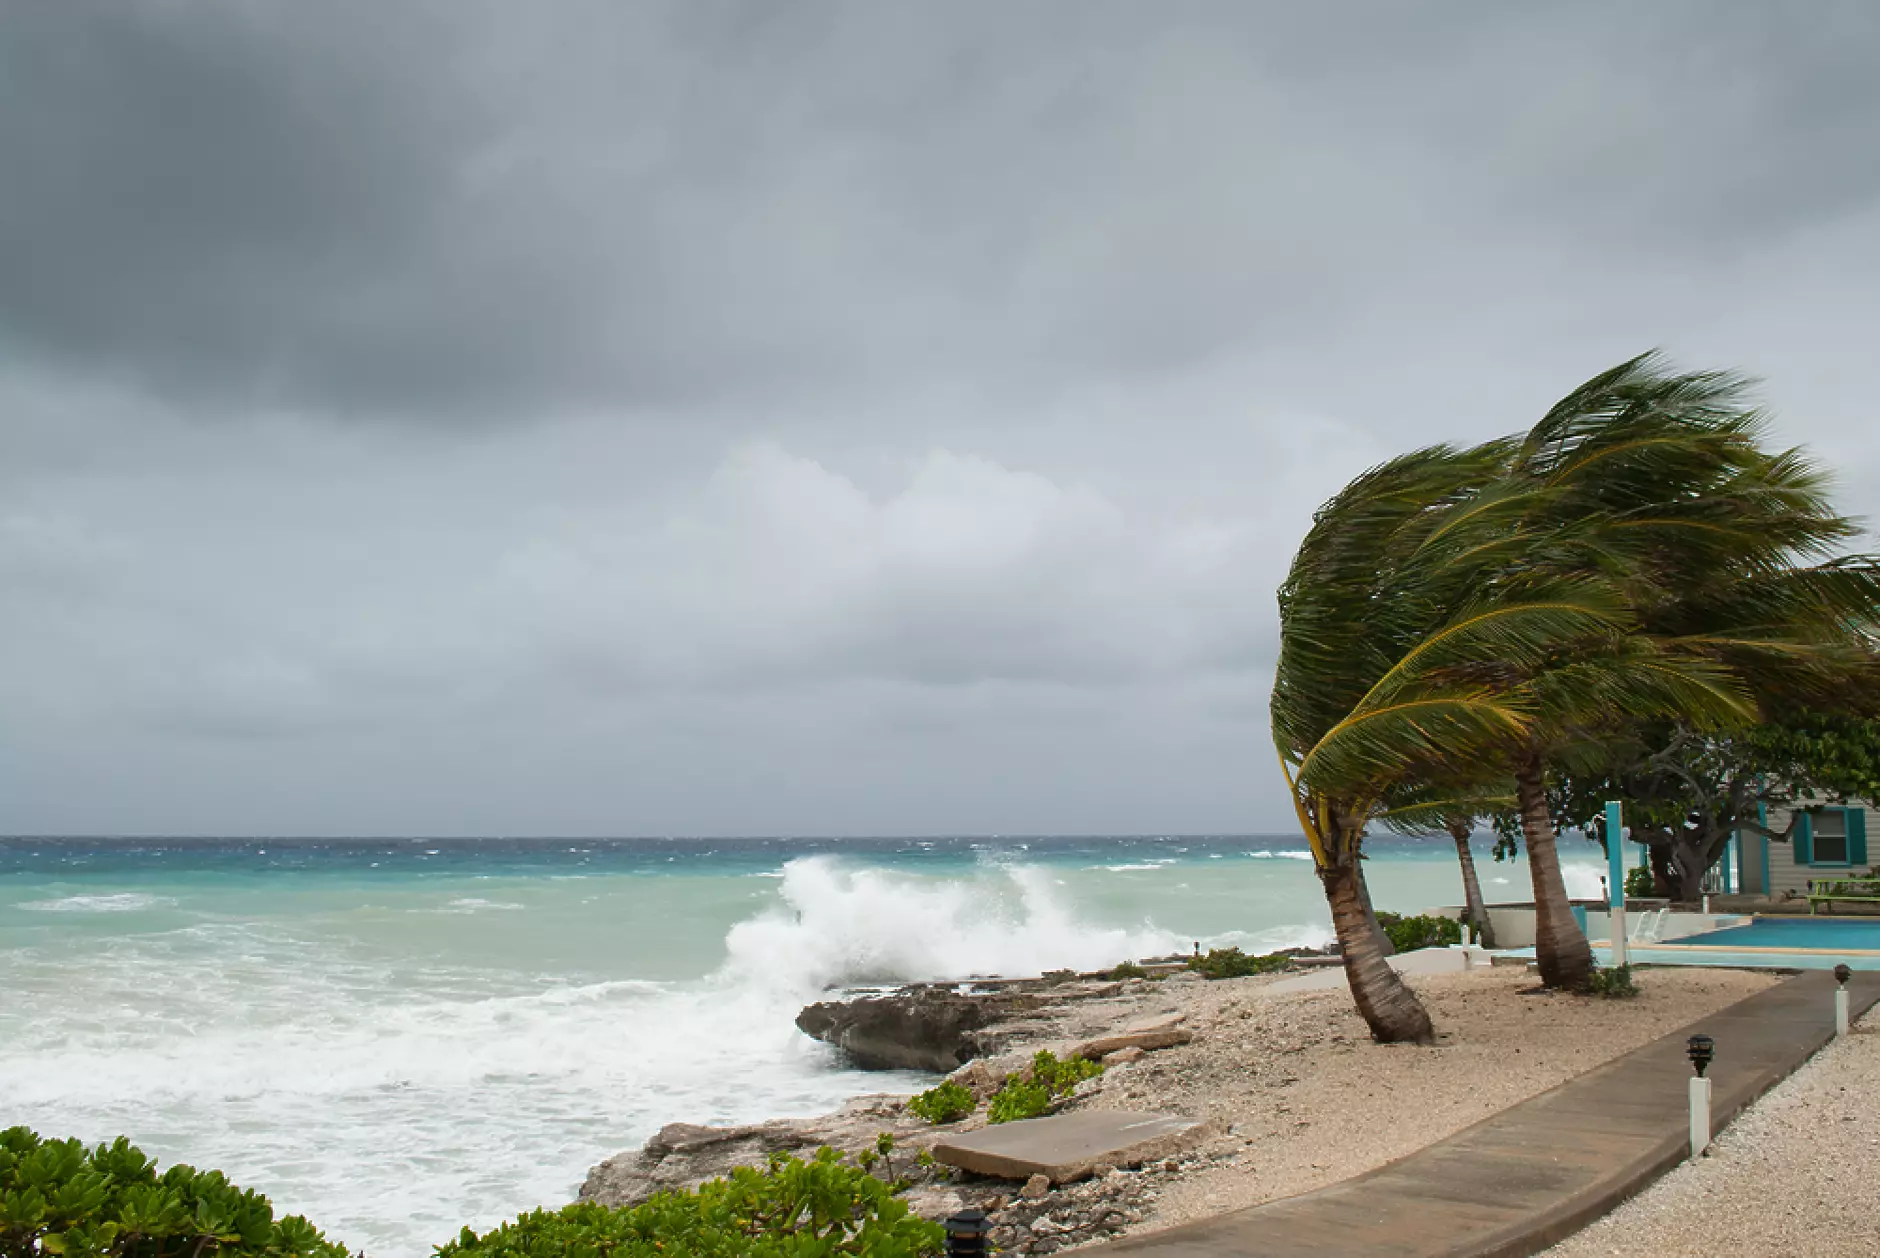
[1219, 963]
[58, 1197]
[1466, 625]
[1407, 934]
[1031, 1092]
[947, 1103]
[823, 1205]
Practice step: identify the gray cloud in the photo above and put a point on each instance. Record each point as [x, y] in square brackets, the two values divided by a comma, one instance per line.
[471, 416]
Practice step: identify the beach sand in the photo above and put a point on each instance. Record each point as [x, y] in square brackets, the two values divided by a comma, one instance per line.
[1300, 1097]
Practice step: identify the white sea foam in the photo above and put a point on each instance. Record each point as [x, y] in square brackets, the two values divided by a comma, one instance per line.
[841, 925]
[1143, 867]
[475, 904]
[121, 902]
[1268, 854]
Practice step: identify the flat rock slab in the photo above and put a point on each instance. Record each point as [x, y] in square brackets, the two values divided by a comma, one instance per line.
[1067, 1147]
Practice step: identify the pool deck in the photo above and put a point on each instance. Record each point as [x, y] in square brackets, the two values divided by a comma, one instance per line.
[1781, 943]
[1538, 1171]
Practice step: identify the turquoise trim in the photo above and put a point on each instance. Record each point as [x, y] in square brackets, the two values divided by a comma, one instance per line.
[1615, 857]
[1762, 817]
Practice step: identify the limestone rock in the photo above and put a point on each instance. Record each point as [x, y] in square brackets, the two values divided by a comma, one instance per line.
[923, 1028]
[1035, 1187]
[685, 1155]
[1163, 1032]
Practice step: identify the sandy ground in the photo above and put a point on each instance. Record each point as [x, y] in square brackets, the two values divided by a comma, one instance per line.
[1797, 1173]
[1301, 1097]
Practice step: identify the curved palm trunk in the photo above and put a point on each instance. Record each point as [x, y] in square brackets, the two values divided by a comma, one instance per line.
[1566, 959]
[1384, 945]
[1388, 1007]
[1474, 911]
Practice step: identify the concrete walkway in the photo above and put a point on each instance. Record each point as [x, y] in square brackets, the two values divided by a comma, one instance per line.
[1535, 1173]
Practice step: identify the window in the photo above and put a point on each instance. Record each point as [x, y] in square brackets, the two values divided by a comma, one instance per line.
[1830, 835]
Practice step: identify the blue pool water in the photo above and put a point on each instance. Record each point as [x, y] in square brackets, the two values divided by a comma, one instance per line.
[1842, 935]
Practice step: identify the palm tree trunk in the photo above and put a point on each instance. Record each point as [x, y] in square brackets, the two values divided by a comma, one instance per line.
[1384, 945]
[1474, 911]
[1566, 959]
[1387, 1006]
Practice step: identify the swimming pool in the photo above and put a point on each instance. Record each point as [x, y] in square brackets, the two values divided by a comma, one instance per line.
[1790, 934]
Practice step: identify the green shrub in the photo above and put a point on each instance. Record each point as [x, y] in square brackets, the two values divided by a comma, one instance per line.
[58, 1198]
[1128, 969]
[947, 1103]
[822, 1206]
[1233, 963]
[1407, 934]
[1639, 881]
[1030, 1095]
[1613, 984]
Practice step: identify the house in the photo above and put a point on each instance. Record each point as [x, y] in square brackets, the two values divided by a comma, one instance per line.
[1830, 840]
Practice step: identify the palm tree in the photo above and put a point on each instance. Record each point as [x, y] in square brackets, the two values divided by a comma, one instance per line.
[1456, 616]
[1657, 482]
[1461, 828]
[1368, 697]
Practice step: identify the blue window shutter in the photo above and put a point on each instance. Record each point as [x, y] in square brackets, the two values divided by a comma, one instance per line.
[1805, 841]
[1856, 835]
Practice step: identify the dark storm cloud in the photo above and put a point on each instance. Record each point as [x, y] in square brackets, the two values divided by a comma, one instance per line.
[465, 415]
[505, 209]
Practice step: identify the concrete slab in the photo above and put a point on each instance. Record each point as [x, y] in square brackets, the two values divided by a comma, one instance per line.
[1067, 1147]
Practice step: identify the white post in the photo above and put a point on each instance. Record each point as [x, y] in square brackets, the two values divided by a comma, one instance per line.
[1840, 1011]
[1700, 1115]
[1706, 903]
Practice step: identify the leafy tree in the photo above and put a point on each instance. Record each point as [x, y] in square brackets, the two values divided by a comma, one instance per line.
[1686, 792]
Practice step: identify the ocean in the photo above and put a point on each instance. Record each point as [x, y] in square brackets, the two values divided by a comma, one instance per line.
[399, 1037]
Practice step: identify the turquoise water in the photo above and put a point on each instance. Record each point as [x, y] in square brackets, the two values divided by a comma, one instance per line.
[399, 1037]
[1848, 935]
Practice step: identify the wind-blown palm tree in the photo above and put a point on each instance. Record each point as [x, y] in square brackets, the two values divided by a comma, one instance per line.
[1657, 483]
[1367, 695]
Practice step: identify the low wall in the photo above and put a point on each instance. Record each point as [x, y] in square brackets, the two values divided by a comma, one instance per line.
[1514, 923]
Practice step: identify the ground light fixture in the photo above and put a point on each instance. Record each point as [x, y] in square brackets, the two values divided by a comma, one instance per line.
[1842, 974]
[1700, 1050]
[966, 1234]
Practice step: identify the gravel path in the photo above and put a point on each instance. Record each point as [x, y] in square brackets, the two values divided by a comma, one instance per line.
[1798, 1173]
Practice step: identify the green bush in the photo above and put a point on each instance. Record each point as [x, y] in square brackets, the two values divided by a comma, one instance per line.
[791, 1209]
[947, 1103]
[1030, 1095]
[1233, 963]
[1407, 934]
[1128, 969]
[58, 1198]
[1639, 881]
[1613, 984]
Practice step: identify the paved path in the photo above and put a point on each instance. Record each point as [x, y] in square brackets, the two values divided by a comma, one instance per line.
[1533, 1174]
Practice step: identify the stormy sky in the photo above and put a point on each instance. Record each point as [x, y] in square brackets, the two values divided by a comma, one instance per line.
[476, 417]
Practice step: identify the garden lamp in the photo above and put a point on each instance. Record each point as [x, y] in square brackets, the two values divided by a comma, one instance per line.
[966, 1234]
[1701, 1049]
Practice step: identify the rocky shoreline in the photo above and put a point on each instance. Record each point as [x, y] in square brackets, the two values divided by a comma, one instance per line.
[976, 1034]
